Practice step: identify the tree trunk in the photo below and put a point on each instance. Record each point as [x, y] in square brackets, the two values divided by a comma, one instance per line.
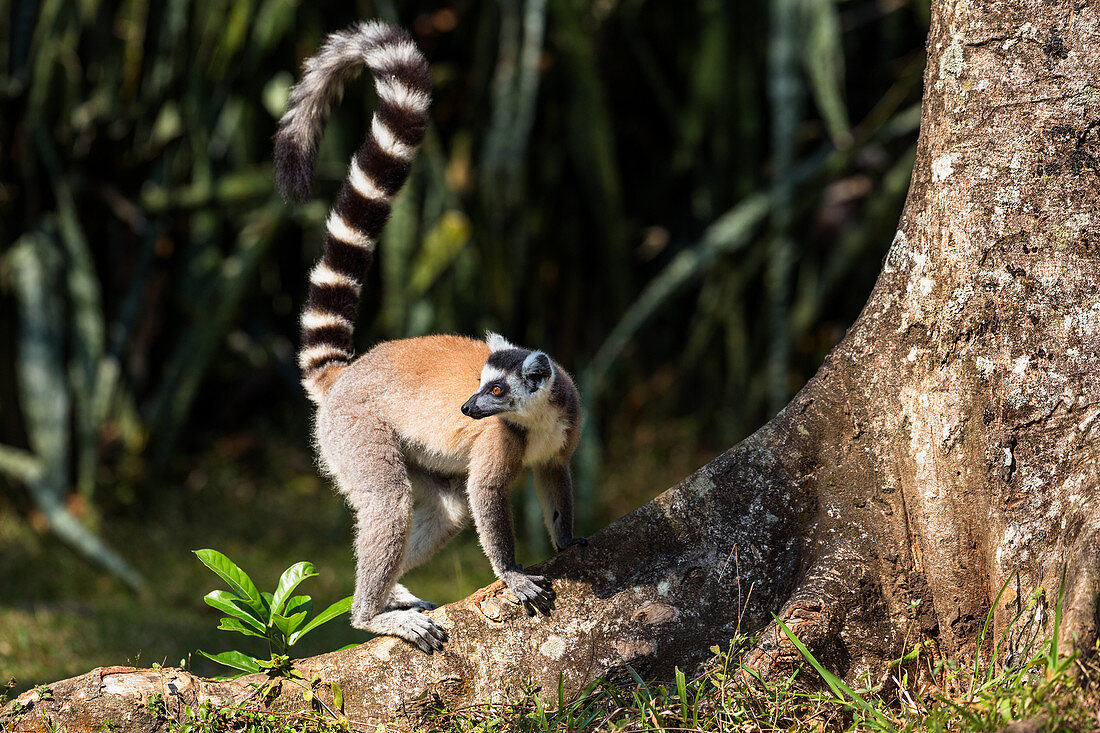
[949, 443]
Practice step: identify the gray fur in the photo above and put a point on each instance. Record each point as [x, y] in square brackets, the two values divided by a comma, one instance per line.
[323, 77]
[379, 490]
[440, 513]
[409, 501]
[402, 598]
[554, 486]
[488, 487]
[411, 625]
[536, 370]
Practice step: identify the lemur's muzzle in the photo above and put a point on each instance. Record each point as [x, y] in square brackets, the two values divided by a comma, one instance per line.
[470, 408]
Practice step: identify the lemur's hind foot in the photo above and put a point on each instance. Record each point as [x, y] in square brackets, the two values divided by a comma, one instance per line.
[412, 626]
[402, 598]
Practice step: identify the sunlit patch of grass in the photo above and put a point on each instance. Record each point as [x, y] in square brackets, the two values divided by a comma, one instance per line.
[46, 642]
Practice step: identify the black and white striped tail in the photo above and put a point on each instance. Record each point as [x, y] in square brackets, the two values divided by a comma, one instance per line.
[377, 172]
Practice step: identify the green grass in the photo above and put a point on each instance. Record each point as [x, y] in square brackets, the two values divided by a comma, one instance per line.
[922, 691]
[1060, 691]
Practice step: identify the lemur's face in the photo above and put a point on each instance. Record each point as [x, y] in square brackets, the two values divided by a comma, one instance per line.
[512, 381]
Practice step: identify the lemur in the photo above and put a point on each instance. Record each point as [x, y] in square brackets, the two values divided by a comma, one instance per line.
[420, 433]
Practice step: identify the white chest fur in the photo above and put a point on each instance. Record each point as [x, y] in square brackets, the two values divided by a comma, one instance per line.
[546, 434]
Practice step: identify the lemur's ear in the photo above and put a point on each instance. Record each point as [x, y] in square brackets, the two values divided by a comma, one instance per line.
[536, 369]
[497, 342]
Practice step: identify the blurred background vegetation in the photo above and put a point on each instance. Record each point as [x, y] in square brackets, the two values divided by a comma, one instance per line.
[685, 202]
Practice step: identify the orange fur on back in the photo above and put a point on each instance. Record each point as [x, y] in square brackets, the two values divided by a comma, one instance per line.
[417, 386]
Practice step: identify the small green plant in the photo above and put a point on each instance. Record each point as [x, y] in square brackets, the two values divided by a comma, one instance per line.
[210, 717]
[278, 617]
[156, 706]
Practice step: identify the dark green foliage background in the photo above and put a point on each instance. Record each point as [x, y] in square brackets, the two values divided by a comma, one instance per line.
[685, 202]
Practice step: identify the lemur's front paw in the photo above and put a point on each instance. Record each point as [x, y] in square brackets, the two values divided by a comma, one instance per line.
[532, 591]
[574, 541]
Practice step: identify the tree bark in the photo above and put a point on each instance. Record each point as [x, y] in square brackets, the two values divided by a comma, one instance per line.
[950, 442]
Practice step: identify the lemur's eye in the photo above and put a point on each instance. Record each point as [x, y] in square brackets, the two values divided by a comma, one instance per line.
[496, 390]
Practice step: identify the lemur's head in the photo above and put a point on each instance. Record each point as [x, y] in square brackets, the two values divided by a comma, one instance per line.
[513, 380]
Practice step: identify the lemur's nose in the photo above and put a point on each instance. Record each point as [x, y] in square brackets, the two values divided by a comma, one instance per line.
[468, 407]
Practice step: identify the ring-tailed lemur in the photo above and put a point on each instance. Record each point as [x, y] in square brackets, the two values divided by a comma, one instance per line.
[409, 447]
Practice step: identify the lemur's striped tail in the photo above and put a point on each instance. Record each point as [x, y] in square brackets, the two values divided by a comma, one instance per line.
[378, 170]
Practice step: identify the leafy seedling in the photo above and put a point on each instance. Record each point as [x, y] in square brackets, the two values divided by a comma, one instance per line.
[279, 617]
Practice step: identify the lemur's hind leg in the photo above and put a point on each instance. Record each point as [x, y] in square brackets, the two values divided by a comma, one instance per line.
[363, 455]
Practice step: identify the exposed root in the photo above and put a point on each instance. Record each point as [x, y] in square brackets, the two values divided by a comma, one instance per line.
[815, 614]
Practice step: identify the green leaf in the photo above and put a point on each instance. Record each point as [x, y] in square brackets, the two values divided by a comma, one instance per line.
[823, 60]
[232, 624]
[337, 697]
[298, 604]
[234, 659]
[681, 691]
[837, 685]
[1052, 649]
[985, 628]
[237, 579]
[288, 624]
[336, 609]
[290, 579]
[226, 602]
